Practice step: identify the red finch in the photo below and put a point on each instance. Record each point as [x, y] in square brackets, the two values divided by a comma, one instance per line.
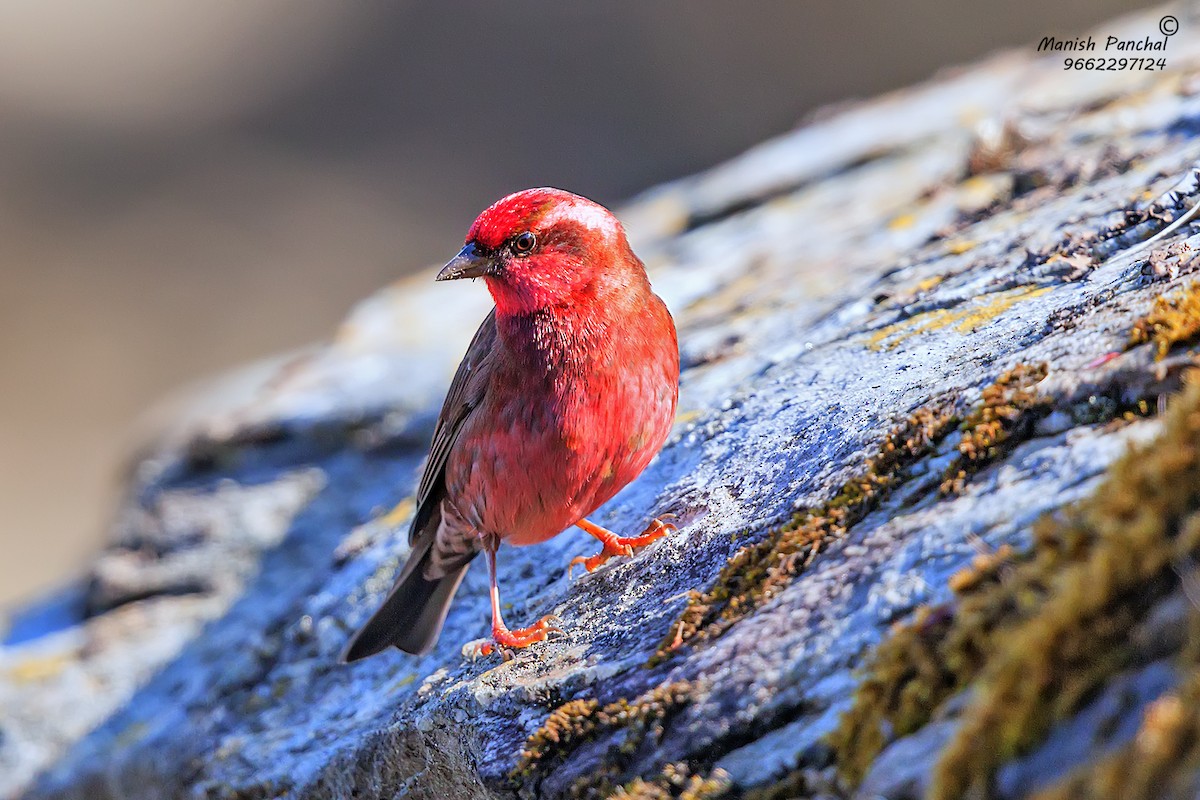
[566, 393]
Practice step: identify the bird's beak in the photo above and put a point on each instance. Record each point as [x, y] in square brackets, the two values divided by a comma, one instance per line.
[469, 263]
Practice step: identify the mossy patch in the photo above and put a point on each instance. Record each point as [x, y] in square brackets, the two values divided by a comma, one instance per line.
[1173, 319]
[1163, 758]
[567, 726]
[758, 571]
[579, 721]
[675, 782]
[1005, 416]
[910, 675]
[1038, 633]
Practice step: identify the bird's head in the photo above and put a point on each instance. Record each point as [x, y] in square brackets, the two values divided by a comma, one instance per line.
[545, 247]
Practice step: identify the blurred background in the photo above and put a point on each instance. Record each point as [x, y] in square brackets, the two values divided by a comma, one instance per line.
[185, 186]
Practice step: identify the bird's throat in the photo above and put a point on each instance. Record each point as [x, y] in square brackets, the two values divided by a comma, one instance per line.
[562, 341]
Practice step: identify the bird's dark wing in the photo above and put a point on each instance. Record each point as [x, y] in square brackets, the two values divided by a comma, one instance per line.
[413, 612]
[466, 392]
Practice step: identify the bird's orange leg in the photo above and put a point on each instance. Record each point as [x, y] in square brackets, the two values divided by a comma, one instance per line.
[617, 545]
[501, 635]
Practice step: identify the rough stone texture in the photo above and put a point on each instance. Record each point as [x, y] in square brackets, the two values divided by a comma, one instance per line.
[826, 285]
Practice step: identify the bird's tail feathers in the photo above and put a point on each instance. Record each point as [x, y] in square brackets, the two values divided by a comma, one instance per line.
[412, 615]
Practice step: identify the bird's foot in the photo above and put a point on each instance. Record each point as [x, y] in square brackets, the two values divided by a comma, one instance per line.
[624, 545]
[517, 638]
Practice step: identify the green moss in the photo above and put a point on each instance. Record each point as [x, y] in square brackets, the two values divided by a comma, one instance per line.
[908, 679]
[1174, 319]
[759, 571]
[1036, 634]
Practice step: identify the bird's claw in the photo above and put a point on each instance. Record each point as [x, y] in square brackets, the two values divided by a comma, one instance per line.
[625, 545]
[476, 648]
[593, 563]
[503, 639]
[654, 531]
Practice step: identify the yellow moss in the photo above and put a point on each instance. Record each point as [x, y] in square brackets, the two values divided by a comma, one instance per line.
[902, 222]
[1174, 319]
[959, 246]
[977, 184]
[963, 319]
[1036, 633]
[566, 727]
[639, 789]
[890, 336]
[1003, 301]
[675, 782]
[1005, 417]
[758, 571]
[578, 721]
[985, 567]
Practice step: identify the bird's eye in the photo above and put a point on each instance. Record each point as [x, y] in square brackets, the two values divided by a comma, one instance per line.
[524, 243]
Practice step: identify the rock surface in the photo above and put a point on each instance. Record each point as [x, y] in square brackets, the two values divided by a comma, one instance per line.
[896, 256]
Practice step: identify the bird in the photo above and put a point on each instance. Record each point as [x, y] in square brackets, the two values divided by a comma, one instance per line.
[566, 393]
